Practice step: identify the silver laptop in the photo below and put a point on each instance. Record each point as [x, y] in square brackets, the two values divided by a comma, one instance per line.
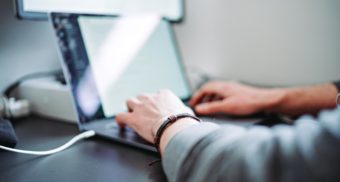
[109, 59]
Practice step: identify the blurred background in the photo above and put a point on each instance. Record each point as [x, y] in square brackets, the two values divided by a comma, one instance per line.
[262, 42]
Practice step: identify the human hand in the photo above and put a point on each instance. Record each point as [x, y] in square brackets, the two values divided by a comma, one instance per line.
[148, 110]
[232, 98]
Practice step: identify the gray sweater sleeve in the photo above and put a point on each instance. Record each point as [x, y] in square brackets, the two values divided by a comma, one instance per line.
[307, 151]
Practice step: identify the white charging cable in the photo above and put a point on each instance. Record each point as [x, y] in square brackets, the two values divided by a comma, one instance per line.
[75, 139]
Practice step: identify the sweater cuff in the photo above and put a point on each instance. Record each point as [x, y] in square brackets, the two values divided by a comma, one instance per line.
[181, 144]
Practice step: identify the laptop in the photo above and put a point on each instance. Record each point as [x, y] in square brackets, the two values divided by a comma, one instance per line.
[109, 59]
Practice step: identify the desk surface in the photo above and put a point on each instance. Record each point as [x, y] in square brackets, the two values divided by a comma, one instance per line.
[93, 159]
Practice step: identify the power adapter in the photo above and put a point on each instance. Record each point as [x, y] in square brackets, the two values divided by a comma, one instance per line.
[48, 98]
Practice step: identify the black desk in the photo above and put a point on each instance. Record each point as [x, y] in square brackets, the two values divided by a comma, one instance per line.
[89, 160]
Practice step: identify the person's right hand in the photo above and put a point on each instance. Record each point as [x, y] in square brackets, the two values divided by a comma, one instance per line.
[232, 98]
[147, 112]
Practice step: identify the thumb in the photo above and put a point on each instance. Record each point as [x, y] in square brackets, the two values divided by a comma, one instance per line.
[210, 107]
[123, 119]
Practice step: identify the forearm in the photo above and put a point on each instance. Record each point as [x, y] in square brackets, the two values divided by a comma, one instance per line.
[283, 153]
[303, 100]
[180, 145]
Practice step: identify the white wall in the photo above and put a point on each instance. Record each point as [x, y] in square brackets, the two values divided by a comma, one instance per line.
[266, 42]
[25, 46]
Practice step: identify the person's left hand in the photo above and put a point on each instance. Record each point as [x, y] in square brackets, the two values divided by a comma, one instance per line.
[148, 110]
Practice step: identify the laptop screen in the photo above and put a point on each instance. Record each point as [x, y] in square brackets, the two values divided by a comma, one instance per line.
[172, 10]
[111, 59]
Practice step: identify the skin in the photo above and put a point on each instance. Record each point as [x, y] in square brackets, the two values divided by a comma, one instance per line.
[233, 98]
[238, 99]
[147, 111]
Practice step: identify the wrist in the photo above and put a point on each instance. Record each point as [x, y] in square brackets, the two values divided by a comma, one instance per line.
[157, 125]
[275, 99]
[172, 124]
[173, 129]
[159, 122]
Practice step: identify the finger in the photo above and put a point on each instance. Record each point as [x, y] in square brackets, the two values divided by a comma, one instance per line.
[217, 91]
[132, 104]
[121, 126]
[208, 98]
[123, 119]
[207, 89]
[216, 98]
[196, 98]
[210, 107]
